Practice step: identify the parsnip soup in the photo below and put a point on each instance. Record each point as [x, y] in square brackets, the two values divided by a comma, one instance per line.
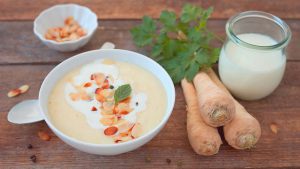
[107, 102]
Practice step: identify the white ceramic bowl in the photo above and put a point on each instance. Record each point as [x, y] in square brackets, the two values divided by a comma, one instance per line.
[55, 16]
[116, 54]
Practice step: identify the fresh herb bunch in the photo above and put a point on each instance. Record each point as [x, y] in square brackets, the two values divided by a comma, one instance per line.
[181, 45]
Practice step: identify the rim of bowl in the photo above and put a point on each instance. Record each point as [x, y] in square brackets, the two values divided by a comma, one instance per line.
[161, 124]
[41, 15]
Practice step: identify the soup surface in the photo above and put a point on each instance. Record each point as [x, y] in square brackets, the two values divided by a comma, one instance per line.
[107, 102]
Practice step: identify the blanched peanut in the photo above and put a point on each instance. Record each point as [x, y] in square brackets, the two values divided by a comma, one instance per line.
[123, 108]
[108, 121]
[99, 78]
[108, 106]
[108, 93]
[124, 126]
[70, 31]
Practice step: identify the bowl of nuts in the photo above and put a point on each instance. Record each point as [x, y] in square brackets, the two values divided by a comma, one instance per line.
[65, 27]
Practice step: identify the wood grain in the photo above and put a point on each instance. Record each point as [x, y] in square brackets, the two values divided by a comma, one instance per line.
[135, 9]
[273, 150]
[24, 47]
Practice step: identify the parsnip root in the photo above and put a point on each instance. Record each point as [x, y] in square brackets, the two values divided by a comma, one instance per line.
[204, 139]
[244, 131]
[216, 106]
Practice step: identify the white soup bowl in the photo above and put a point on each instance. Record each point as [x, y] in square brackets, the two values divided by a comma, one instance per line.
[119, 55]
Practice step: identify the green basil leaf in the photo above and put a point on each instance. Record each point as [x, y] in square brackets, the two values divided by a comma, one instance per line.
[122, 93]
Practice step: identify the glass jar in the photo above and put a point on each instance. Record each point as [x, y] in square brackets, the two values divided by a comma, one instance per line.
[253, 57]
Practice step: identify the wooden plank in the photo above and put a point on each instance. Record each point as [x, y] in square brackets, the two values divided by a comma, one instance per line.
[24, 47]
[135, 9]
[273, 151]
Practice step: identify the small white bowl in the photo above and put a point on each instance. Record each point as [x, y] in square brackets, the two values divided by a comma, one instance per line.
[55, 16]
[119, 55]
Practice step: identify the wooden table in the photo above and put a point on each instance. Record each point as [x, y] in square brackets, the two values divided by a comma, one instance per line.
[25, 60]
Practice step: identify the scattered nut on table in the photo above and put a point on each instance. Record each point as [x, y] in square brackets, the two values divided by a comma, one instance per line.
[18, 91]
[44, 136]
[274, 128]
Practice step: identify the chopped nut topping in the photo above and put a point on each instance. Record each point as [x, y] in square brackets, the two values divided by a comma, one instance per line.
[110, 130]
[88, 84]
[118, 128]
[93, 108]
[136, 130]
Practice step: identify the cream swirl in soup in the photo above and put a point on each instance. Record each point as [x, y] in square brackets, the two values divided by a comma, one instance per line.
[111, 74]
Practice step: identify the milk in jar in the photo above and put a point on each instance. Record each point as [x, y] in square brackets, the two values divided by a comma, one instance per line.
[251, 74]
[253, 58]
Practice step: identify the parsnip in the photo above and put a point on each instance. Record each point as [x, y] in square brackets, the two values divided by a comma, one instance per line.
[244, 131]
[204, 139]
[216, 106]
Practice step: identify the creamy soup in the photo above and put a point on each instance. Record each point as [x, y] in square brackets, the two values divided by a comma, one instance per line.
[107, 102]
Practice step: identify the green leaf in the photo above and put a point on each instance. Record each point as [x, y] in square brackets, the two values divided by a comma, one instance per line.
[201, 57]
[215, 55]
[194, 35]
[170, 64]
[188, 49]
[122, 93]
[143, 34]
[176, 73]
[168, 19]
[148, 25]
[183, 26]
[190, 13]
[191, 71]
[162, 37]
[141, 38]
[175, 67]
[169, 48]
[156, 50]
[205, 15]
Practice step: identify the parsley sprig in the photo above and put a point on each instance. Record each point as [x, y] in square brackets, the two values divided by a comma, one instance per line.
[181, 45]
